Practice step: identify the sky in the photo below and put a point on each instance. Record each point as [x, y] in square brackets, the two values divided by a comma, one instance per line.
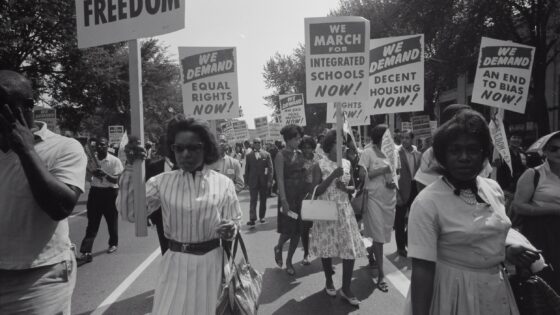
[257, 28]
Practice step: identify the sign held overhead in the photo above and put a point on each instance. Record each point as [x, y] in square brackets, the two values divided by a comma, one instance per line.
[293, 109]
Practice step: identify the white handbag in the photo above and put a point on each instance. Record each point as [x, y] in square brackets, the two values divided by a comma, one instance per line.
[318, 210]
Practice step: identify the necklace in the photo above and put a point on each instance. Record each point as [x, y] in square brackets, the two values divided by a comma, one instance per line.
[468, 197]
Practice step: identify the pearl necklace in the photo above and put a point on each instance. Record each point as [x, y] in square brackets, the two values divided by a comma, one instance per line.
[468, 197]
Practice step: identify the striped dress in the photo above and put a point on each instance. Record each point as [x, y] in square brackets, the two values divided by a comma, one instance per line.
[192, 207]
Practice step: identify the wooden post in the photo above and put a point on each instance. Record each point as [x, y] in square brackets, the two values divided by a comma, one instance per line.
[338, 134]
[137, 122]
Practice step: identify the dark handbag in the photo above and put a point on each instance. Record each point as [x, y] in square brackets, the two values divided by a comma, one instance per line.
[241, 285]
[359, 202]
[534, 296]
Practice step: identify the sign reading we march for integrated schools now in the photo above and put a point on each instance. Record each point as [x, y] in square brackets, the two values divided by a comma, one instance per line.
[103, 22]
[293, 109]
[503, 74]
[396, 82]
[336, 59]
[209, 82]
[355, 113]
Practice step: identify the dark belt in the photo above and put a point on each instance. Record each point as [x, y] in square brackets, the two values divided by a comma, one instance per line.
[194, 248]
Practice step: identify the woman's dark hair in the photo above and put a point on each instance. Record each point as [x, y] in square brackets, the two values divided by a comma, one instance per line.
[329, 141]
[291, 131]
[308, 141]
[180, 123]
[376, 134]
[467, 122]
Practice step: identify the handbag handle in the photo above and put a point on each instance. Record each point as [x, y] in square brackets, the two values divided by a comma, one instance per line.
[239, 241]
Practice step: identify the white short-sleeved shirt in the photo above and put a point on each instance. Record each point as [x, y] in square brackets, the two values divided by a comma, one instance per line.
[28, 236]
[110, 165]
[442, 227]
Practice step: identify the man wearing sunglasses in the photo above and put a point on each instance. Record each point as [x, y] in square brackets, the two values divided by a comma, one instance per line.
[43, 175]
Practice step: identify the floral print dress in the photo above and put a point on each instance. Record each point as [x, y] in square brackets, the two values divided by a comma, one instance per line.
[340, 238]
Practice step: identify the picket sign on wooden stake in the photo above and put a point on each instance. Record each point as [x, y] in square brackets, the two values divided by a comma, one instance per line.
[339, 134]
[137, 121]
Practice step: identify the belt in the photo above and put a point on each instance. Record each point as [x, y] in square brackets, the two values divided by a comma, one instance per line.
[194, 248]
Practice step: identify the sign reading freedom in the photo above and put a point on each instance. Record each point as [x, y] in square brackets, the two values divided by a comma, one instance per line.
[101, 22]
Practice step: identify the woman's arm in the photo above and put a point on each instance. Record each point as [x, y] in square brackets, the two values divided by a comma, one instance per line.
[378, 171]
[522, 202]
[422, 285]
[328, 181]
[279, 167]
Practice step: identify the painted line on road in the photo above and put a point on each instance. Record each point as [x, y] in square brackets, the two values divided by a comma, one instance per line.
[396, 277]
[114, 296]
[77, 214]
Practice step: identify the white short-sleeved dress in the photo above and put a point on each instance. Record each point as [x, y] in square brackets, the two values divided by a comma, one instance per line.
[192, 207]
[467, 243]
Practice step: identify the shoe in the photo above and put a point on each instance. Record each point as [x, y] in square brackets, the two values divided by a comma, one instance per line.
[251, 224]
[330, 292]
[402, 252]
[85, 258]
[262, 221]
[290, 270]
[352, 301]
[305, 262]
[278, 256]
[382, 286]
[112, 249]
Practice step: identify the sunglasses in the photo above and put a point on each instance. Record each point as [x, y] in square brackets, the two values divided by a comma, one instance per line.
[552, 148]
[179, 148]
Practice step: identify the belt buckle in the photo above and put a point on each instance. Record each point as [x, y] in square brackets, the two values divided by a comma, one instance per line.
[184, 247]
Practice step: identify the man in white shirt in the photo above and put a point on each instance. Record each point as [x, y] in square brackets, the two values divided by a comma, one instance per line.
[43, 175]
[229, 167]
[101, 200]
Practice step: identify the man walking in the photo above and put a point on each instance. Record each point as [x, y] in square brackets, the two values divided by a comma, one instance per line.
[43, 175]
[101, 201]
[410, 162]
[258, 176]
[229, 167]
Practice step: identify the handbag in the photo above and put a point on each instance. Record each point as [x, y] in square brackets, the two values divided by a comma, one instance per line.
[359, 202]
[318, 210]
[241, 285]
[534, 296]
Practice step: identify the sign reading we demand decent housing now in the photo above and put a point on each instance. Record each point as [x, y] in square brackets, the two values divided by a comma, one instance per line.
[293, 109]
[396, 82]
[503, 74]
[101, 22]
[209, 82]
[336, 59]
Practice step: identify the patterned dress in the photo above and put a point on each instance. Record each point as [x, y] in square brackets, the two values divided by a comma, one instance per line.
[339, 238]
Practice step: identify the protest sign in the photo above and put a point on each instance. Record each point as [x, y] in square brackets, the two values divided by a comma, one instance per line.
[336, 59]
[499, 138]
[261, 127]
[396, 82]
[354, 112]
[274, 132]
[503, 74]
[227, 130]
[209, 82]
[421, 126]
[48, 116]
[388, 148]
[103, 22]
[406, 125]
[115, 134]
[240, 130]
[293, 109]
[123, 141]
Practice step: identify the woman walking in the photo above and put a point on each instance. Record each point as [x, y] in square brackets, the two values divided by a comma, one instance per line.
[340, 238]
[199, 208]
[290, 175]
[311, 162]
[379, 216]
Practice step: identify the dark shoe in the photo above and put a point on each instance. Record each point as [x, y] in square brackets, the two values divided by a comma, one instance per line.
[402, 252]
[290, 270]
[382, 286]
[85, 258]
[278, 256]
[262, 221]
[305, 261]
[112, 249]
[251, 224]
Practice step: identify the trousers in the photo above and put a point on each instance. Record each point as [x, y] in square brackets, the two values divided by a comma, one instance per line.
[256, 194]
[101, 203]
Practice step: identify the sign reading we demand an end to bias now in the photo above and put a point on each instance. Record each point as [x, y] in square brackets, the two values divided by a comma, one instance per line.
[293, 109]
[336, 59]
[101, 22]
[209, 82]
[396, 82]
[503, 74]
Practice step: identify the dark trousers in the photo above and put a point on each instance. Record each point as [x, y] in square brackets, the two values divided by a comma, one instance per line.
[157, 220]
[101, 203]
[258, 193]
[401, 220]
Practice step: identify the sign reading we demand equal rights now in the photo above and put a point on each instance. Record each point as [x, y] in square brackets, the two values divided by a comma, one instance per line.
[336, 59]
[209, 82]
[503, 74]
[101, 22]
[293, 109]
[396, 82]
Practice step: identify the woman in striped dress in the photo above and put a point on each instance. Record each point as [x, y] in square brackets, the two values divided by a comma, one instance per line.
[199, 207]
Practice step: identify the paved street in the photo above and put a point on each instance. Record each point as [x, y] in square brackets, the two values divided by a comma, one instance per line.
[123, 282]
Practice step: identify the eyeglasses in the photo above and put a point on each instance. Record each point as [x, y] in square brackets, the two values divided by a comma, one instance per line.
[471, 151]
[178, 148]
[552, 148]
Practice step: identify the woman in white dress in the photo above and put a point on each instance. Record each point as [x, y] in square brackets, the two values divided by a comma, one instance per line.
[199, 208]
[340, 238]
[457, 230]
[379, 216]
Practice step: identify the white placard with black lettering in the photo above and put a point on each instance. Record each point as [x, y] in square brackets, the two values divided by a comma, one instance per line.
[261, 127]
[355, 113]
[209, 82]
[292, 107]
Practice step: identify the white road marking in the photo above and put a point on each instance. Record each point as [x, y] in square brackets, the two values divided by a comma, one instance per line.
[113, 297]
[77, 214]
[396, 277]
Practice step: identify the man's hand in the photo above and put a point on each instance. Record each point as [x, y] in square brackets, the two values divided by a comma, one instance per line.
[15, 130]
